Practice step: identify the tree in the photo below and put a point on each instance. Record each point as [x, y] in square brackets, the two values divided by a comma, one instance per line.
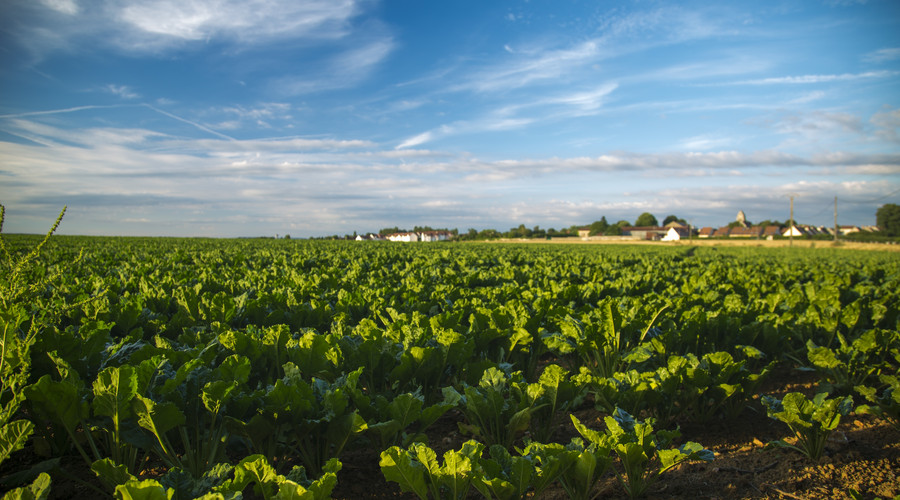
[646, 219]
[616, 229]
[888, 219]
[673, 218]
[599, 227]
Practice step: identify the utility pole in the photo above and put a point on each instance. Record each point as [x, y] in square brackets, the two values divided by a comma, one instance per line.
[835, 220]
[791, 227]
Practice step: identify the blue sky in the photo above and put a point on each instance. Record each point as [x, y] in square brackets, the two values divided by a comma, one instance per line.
[263, 117]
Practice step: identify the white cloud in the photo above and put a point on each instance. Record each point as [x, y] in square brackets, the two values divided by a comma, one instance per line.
[159, 25]
[63, 6]
[706, 142]
[123, 91]
[416, 140]
[222, 187]
[243, 20]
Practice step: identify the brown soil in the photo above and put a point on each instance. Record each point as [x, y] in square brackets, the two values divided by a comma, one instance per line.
[863, 455]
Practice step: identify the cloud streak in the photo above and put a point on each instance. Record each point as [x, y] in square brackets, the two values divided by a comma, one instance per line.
[812, 79]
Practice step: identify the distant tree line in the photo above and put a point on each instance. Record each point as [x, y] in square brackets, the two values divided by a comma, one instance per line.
[887, 216]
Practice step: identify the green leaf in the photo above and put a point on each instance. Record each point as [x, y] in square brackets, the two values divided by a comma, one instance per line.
[592, 436]
[289, 490]
[157, 418]
[256, 469]
[235, 367]
[114, 389]
[217, 393]
[13, 436]
[398, 466]
[38, 490]
[821, 357]
[148, 489]
[58, 402]
[110, 474]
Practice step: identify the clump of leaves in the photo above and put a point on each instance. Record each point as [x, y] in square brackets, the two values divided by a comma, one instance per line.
[499, 408]
[885, 405]
[591, 457]
[417, 470]
[811, 420]
[853, 363]
[645, 455]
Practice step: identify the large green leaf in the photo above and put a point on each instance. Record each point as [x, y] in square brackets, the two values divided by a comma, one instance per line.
[398, 465]
[148, 489]
[114, 389]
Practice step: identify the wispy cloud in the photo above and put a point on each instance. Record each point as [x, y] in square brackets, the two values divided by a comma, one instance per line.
[883, 55]
[416, 140]
[158, 25]
[887, 125]
[63, 6]
[123, 91]
[58, 111]
[344, 70]
[808, 79]
[522, 114]
[189, 122]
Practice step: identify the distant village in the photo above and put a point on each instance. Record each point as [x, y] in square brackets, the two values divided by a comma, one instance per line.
[673, 229]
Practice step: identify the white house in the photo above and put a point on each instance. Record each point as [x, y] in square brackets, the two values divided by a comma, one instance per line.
[676, 233]
[435, 235]
[793, 231]
[403, 237]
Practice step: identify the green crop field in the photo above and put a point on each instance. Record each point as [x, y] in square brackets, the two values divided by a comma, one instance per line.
[203, 368]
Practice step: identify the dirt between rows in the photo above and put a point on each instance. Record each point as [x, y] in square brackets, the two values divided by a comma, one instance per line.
[863, 454]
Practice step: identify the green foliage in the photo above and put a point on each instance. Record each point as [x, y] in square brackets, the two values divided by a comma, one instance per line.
[599, 227]
[885, 405]
[646, 455]
[887, 217]
[857, 362]
[504, 476]
[673, 218]
[554, 392]
[269, 485]
[392, 419]
[811, 420]
[197, 351]
[498, 409]
[417, 470]
[591, 461]
[19, 328]
[645, 219]
[38, 490]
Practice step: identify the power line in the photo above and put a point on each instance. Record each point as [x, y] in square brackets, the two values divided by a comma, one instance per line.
[844, 200]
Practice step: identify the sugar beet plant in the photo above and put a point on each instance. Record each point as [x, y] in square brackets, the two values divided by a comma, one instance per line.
[811, 420]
